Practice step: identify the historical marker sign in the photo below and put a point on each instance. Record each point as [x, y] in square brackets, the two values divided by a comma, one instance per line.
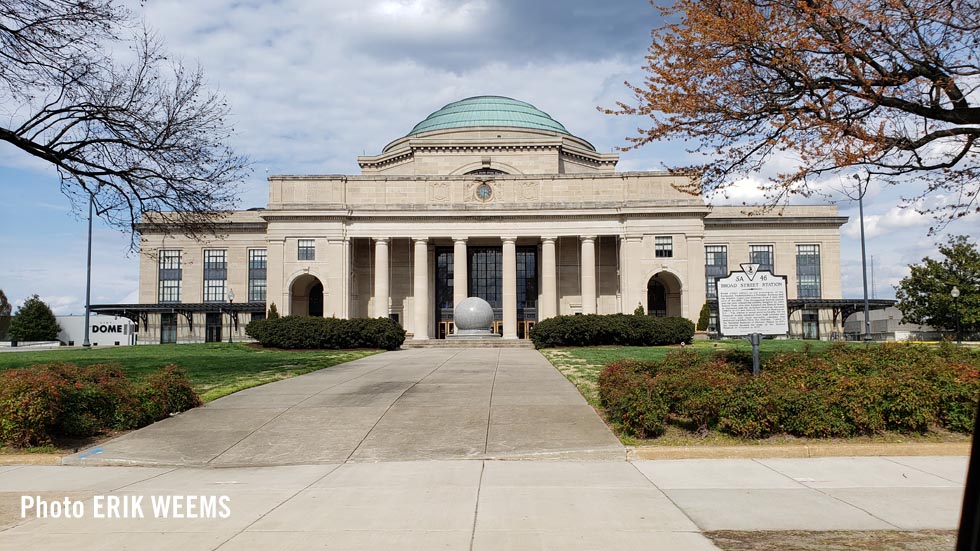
[752, 301]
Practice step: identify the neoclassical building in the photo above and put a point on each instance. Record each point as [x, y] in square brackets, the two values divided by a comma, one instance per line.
[486, 197]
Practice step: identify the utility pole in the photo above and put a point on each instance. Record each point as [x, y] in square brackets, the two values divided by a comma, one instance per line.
[864, 263]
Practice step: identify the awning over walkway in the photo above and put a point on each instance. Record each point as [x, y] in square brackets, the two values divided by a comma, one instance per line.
[140, 312]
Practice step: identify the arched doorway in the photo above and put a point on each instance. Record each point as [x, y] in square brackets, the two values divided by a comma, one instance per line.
[306, 296]
[664, 295]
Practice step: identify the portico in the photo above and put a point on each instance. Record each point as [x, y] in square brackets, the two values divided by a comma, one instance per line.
[517, 275]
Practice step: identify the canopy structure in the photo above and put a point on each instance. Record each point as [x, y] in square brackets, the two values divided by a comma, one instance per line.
[140, 313]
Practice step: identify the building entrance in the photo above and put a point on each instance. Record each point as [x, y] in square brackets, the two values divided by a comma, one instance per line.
[485, 280]
[212, 327]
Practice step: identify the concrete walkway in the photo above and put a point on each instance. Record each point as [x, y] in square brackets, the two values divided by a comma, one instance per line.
[489, 505]
[404, 451]
[397, 406]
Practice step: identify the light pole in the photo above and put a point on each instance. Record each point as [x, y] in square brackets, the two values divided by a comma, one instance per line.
[864, 263]
[231, 319]
[955, 293]
[88, 272]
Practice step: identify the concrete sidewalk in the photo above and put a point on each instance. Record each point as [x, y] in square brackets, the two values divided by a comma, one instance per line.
[396, 406]
[493, 504]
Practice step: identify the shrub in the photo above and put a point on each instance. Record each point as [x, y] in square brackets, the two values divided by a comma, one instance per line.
[34, 321]
[632, 401]
[273, 312]
[639, 311]
[303, 332]
[843, 392]
[98, 397]
[704, 318]
[63, 400]
[612, 329]
[697, 386]
[958, 390]
[30, 406]
[163, 393]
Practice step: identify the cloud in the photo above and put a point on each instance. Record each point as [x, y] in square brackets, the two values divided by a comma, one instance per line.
[312, 85]
[895, 218]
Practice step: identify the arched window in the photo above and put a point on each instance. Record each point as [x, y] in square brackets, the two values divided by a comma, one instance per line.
[486, 172]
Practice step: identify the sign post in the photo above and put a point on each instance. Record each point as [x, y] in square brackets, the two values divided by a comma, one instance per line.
[752, 303]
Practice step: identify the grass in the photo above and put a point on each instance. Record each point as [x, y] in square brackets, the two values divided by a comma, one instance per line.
[215, 369]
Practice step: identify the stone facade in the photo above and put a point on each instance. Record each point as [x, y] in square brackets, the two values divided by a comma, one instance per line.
[520, 193]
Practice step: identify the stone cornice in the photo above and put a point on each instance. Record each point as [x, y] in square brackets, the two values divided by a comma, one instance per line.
[771, 221]
[633, 208]
[474, 216]
[469, 177]
[215, 229]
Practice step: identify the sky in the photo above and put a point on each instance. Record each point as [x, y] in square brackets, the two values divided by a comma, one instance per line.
[311, 85]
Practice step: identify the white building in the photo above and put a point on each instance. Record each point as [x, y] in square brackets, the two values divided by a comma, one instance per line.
[485, 197]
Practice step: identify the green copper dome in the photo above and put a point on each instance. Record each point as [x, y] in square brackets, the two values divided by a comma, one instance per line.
[489, 111]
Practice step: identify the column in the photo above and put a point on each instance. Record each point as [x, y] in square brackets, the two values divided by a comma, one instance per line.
[381, 277]
[588, 274]
[510, 287]
[460, 282]
[421, 288]
[549, 279]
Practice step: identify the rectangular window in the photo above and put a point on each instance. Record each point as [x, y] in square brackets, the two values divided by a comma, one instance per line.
[665, 246]
[257, 262]
[445, 270]
[527, 283]
[808, 271]
[306, 249]
[215, 274]
[715, 266]
[169, 276]
[762, 255]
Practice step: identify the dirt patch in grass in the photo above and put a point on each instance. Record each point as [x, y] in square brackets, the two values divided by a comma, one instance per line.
[62, 446]
[879, 540]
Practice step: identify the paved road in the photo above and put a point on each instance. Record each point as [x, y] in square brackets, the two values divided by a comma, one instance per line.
[397, 406]
[491, 505]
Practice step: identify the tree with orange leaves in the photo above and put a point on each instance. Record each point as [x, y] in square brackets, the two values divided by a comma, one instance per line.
[891, 86]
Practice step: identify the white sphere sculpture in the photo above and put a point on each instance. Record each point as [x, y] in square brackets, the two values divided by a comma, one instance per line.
[473, 313]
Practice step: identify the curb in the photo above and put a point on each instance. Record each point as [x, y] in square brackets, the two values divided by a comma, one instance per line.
[799, 451]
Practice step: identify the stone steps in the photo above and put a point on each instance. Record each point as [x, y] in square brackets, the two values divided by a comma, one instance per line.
[468, 343]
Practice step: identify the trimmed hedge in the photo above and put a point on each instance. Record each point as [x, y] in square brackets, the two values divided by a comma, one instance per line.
[63, 400]
[304, 332]
[611, 329]
[846, 391]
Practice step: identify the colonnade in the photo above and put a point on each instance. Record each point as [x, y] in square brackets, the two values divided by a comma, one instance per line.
[549, 279]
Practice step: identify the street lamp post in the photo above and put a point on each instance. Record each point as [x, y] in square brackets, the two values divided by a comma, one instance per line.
[88, 272]
[231, 314]
[955, 293]
[864, 263]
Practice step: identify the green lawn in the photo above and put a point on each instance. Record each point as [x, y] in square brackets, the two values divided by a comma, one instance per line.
[582, 365]
[215, 369]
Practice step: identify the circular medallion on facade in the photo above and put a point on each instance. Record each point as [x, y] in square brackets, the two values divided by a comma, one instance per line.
[484, 192]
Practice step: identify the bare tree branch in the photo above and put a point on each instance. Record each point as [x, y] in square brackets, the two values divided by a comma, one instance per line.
[143, 135]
